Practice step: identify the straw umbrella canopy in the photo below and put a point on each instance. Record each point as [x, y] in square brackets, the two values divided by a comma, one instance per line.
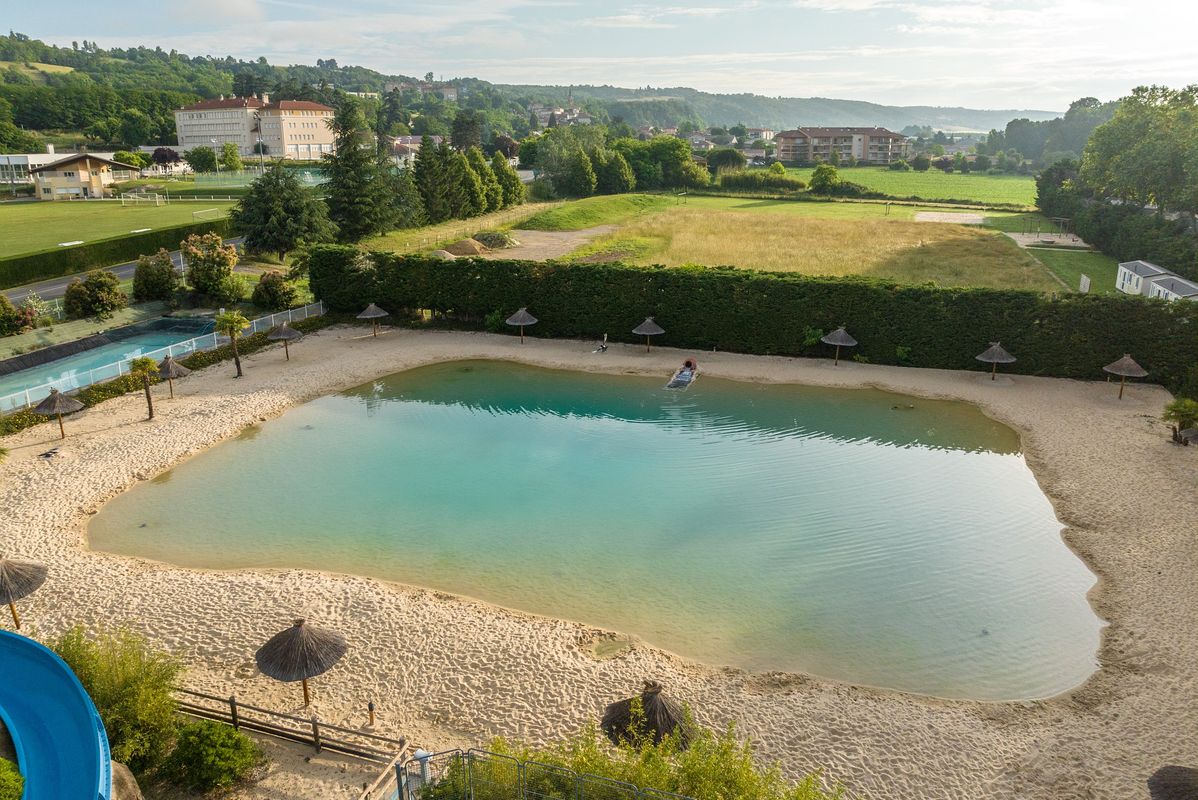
[994, 356]
[301, 652]
[661, 717]
[1125, 368]
[374, 314]
[521, 318]
[839, 337]
[648, 328]
[1173, 782]
[57, 404]
[19, 579]
[169, 369]
[284, 333]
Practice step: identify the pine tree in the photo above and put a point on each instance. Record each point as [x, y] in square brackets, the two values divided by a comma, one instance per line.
[578, 179]
[492, 191]
[409, 204]
[357, 189]
[466, 198]
[613, 175]
[509, 181]
[278, 214]
[429, 175]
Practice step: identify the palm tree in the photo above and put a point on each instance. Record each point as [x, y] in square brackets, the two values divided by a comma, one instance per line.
[144, 367]
[1182, 413]
[231, 324]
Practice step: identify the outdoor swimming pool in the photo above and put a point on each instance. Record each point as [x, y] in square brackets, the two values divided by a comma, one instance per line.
[855, 534]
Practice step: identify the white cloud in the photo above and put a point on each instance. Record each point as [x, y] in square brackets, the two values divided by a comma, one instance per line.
[626, 21]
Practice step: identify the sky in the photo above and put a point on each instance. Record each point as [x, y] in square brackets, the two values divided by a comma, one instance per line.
[1008, 54]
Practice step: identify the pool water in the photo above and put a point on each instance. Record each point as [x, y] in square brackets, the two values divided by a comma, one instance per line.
[855, 534]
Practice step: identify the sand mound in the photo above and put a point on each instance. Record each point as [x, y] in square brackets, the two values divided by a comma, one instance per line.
[467, 247]
[444, 255]
[496, 240]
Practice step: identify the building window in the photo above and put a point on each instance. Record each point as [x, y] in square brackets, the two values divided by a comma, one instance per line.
[47, 190]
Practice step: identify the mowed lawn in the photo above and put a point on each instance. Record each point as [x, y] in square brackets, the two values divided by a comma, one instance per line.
[40, 225]
[906, 251]
[936, 185]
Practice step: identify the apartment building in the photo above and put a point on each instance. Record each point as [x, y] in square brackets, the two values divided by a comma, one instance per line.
[764, 134]
[866, 145]
[1149, 280]
[82, 176]
[294, 129]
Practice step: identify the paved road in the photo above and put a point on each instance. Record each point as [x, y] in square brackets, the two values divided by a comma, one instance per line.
[57, 287]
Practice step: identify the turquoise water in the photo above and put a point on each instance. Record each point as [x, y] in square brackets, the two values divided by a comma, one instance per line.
[858, 535]
[73, 372]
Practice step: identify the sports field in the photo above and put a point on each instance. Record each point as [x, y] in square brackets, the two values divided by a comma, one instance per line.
[39, 225]
[935, 185]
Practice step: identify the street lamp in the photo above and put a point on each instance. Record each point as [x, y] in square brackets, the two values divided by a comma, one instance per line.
[261, 154]
[217, 157]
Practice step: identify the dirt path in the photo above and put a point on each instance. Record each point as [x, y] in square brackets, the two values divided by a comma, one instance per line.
[546, 245]
[957, 218]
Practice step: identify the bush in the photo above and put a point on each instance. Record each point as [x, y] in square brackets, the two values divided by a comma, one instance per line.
[131, 685]
[97, 295]
[12, 785]
[209, 755]
[209, 262]
[900, 166]
[10, 321]
[155, 277]
[57, 261]
[274, 292]
[231, 290]
[760, 181]
[921, 163]
[1070, 336]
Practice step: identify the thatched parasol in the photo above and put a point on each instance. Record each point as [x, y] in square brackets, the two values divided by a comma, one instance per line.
[839, 337]
[170, 369]
[661, 717]
[522, 318]
[57, 403]
[19, 579]
[299, 653]
[284, 333]
[648, 328]
[374, 314]
[1125, 368]
[994, 356]
[1173, 783]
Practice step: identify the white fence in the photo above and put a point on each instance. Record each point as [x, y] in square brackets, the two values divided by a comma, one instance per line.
[74, 381]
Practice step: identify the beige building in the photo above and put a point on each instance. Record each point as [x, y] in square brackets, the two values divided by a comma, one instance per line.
[79, 177]
[293, 129]
[866, 145]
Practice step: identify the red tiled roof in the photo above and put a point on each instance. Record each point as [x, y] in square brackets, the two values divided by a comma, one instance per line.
[225, 102]
[296, 105]
[824, 133]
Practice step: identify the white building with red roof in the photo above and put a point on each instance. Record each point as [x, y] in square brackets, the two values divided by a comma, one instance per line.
[295, 129]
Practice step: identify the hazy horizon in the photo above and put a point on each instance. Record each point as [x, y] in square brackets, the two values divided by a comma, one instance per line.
[986, 54]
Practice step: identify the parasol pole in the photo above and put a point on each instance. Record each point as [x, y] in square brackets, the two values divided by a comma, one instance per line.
[171, 382]
[307, 697]
[63, 431]
[521, 334]
[16, 620]
[1122, 383]
[836, 361]
[993, 369]
[286, 351]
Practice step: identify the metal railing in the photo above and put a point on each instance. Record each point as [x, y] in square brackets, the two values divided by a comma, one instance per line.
[311, 731]
[481, 775]
[28, 397]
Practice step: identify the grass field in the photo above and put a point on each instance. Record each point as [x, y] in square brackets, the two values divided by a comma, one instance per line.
[604, 210]
[181, 187]
[38, 225]
[36, 70]
[1070, 265]
[911, 252]
[431, 237]
[936, 185]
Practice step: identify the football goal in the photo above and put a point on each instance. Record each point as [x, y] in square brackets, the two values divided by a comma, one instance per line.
[142, 199]
[207, 213]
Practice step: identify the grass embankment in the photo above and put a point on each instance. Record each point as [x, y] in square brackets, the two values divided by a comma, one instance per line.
[973, 187]
[77, 329]
[606, 210]
[183, 187]
[912, 252]
[430, 237]
[29, 227]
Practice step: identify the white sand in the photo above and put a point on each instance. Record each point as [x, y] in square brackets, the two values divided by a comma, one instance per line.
[445, 671]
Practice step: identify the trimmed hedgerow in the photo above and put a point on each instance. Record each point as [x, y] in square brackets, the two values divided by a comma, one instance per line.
[209, 755]
[1071, 336]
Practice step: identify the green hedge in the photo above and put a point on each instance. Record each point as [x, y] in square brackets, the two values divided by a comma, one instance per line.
[57, 261]
[744, 311]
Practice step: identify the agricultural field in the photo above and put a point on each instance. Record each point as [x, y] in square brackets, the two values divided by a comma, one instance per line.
[35, 70]
[934, 185]
[38, 225]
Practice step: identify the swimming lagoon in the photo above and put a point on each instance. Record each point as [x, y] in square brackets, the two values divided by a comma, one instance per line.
[855, 534]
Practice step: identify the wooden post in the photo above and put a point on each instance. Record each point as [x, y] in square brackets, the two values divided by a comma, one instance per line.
[16, 620]
[316, 734]
[63, 431]
[836, 362]
[171, 382]
[370, 709]
[521, 334]
[376, 327]
[993, 370]
[286, 352]
[307, 697]
[648, 347]
[145, 381]
[233, 712]
[1122, 383]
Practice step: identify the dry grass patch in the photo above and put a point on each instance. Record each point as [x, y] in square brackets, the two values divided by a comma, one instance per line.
[912, 252]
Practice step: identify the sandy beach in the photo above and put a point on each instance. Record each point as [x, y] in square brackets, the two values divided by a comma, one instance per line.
[446, 671]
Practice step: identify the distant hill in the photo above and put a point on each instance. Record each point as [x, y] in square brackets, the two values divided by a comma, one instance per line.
[662, 106]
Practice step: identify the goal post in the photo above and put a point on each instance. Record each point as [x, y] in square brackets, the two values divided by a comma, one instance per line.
[142, 199]
[207, 213]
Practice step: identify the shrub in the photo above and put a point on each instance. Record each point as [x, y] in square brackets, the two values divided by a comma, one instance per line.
[209, 261]
[155, 277]
[10, 322]
[209, 755]
[131, 685]
[97, 295]
[231, 290]
[777, 168]
[12, 785]
[760, 181]
[921, 163]
[274, 292]
[1069, 336]
[900, 166]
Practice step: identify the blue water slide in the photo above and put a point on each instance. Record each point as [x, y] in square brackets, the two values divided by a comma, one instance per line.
[62, 749]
